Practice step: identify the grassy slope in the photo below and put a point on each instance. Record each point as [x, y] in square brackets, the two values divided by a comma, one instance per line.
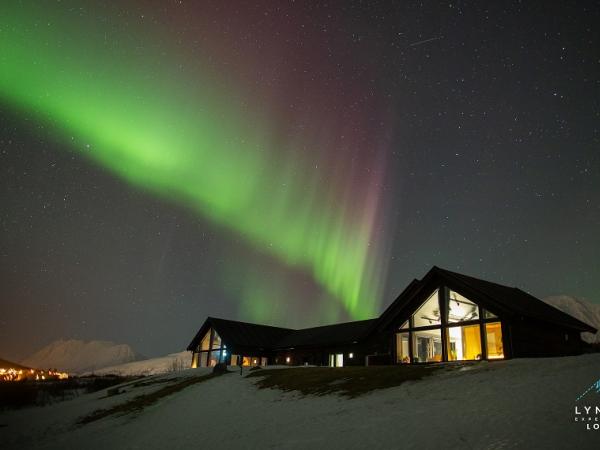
[349, 381]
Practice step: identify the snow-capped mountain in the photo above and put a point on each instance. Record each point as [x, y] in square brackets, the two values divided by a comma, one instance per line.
[163, 364]
[75, 356]
[580, 309]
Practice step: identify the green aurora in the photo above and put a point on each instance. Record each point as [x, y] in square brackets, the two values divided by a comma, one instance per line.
[184, 136]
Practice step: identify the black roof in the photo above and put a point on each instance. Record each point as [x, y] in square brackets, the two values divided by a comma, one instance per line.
[502, 300]
[243, 334]
[340, 333]
[520, 302]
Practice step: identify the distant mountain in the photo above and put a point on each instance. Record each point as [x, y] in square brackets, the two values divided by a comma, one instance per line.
[580, 309]
[153, 366]
[4, 364]
[76, 356]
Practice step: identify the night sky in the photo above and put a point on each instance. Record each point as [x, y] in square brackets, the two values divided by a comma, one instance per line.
[289, 163]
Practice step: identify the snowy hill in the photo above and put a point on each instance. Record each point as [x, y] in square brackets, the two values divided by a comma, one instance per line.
[513, 404]
[153, 366]
[75, 356]
[580, 309]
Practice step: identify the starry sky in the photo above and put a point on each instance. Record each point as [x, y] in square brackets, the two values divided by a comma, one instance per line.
[289, 163]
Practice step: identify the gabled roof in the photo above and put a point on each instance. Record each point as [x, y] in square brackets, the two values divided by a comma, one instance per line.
[241, 334]
[521, 302]
[502, 300]
[341, 333]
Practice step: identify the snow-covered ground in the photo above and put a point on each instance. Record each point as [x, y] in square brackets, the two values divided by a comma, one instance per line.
[152, 366]
[75, 356]
[580, 309]
[526, 403]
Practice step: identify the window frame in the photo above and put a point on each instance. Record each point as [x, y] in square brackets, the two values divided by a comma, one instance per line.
[443, 299]
[206, 353]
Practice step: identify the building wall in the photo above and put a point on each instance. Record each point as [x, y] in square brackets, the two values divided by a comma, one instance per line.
[534, 339]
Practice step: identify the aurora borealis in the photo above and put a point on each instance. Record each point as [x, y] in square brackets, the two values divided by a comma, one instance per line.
[183, 136]
[285, 162]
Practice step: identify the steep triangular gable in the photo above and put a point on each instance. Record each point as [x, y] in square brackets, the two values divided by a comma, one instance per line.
[411, 299]
[511, 301]
[501, 301]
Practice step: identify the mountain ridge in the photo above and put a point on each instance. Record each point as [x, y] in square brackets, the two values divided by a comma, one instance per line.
[78, 356]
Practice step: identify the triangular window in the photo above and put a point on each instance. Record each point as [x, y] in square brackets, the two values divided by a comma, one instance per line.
[429, 312]
[489, 315]
[461, 309]
[205, 342]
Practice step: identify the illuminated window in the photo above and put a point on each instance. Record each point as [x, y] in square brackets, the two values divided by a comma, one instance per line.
[210, 351]
[205, 343]
[427, 345]
[402, 355]
[216, 341]
[493, 333]
[489, 315]
[336, 360]
[464, 343]
[457, 336]
[461, 309]
[429, 312]
[350, 355]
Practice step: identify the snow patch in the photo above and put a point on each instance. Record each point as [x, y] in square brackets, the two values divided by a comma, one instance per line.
[153, 366]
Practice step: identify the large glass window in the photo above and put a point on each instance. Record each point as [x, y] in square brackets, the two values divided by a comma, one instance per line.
[464, 343]
[493, 333]
[427, 345]
[402, 353]
[429, 312]
[460, 308]
[204, 356]
[455, 335]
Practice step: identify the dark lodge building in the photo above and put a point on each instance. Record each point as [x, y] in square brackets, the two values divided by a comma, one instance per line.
[445, 316]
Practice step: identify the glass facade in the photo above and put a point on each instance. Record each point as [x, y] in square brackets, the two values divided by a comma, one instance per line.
[210, 351]
[449, 327]
[427, 345]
